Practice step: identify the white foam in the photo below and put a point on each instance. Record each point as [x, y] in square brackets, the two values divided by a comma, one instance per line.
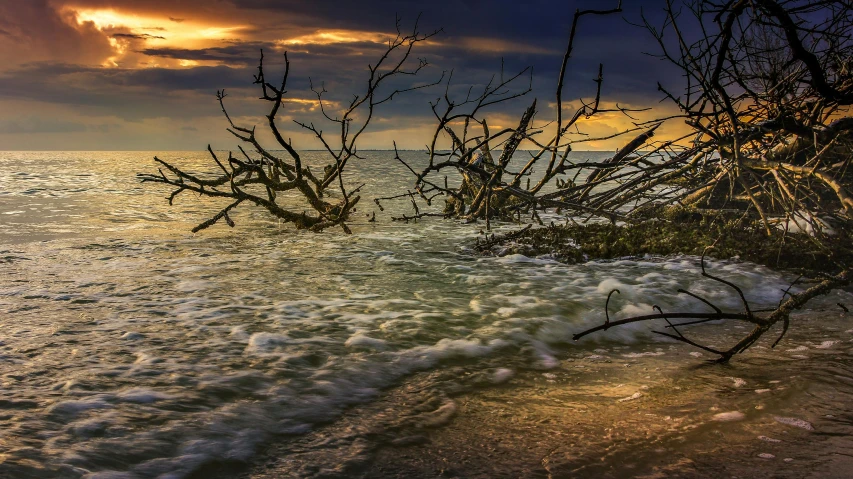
[501, 375]
[635, 310]
[361, 340]
[422, 357]
[544, 356]
[520, 258]
[266, 342]
[74, 407]
[803, 222]
[642, 355]
[472, 348]
[609, 284]
[632, 397]
[768, 439]
[729, 416]
[475, 279]
[792, 421]
[145, 359]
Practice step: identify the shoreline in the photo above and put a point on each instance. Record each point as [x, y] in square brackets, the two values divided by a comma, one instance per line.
[651, 410]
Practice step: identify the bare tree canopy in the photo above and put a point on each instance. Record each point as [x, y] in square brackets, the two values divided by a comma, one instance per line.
[768, 86]
[261, 175]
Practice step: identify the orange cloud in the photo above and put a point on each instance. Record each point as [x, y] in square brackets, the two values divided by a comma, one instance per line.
[328, 37]
[125, 28]
[306, 104]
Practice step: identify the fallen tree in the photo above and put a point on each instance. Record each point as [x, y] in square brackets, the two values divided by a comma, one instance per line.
[768, 88]
[768, 85]
[488, 185]
[262, 176]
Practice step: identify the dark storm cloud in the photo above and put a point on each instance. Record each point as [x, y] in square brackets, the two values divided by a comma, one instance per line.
[205, 79]
[501, 18]
[630, 75]
[530, 21]
[136, 36]
[237, 54]
[132, 95]
[65, 80]
[36, 31]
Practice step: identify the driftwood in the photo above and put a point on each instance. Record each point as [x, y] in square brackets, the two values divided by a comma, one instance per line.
[481, 157]
[766, 94]
[263, 177]
[761, 323]
[767, 86]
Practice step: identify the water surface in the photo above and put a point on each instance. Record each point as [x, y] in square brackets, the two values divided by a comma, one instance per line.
[131, 348]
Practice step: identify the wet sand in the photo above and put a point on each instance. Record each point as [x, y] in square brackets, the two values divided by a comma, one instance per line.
[606, 410]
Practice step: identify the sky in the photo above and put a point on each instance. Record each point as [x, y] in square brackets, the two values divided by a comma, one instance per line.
[142, 75]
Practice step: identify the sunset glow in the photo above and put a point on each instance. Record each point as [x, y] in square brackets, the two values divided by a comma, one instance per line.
[117, 56]
[151, 32]
[328, 37]
[106, 19]
[157, 30]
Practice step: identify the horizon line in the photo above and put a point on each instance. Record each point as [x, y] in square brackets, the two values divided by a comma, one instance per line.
[225, 149]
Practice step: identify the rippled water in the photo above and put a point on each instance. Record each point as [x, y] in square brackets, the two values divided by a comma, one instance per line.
[131, 348]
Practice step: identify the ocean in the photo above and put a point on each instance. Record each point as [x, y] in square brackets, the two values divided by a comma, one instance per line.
[132, 348]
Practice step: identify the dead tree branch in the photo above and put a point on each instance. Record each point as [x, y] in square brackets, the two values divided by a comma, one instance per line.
[761, 323]
[264, 177]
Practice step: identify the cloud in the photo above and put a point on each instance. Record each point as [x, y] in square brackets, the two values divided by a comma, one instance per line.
[137, 36]
[34, 125]
[35, 31]
[165, 60]
[235, 54]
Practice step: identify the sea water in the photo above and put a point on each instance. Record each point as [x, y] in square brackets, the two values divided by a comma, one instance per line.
[130, 347]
